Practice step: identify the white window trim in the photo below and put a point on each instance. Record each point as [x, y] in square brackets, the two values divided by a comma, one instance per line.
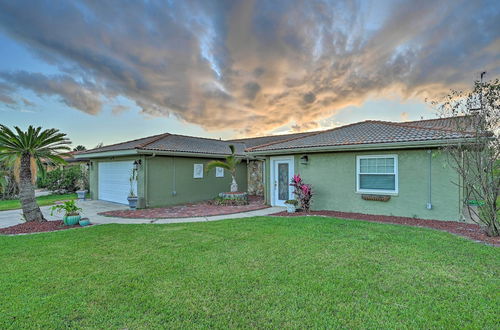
[219, 172]
[195, 175]
[378, 192]
[273, 174]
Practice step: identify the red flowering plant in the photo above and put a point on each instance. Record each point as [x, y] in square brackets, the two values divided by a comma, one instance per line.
[303, 192]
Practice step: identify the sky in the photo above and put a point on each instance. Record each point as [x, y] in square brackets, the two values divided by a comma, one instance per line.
[109, 71]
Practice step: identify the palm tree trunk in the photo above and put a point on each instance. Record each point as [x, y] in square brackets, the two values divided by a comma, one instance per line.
[31, 210]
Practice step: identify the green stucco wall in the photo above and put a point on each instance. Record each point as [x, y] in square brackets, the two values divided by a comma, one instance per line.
[166, 175]
[333, 178]
[159, 177]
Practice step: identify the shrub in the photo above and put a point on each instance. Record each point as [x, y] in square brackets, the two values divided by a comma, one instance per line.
[227, 202]
[303, 192]
[67, 179]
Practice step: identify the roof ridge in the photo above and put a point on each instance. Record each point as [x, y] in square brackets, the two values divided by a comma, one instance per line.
[440, 118]
[312, 134]
[203, 138]
[267, 136]
[159, 137]
[429, 128]
[128, 141]
[285, 140]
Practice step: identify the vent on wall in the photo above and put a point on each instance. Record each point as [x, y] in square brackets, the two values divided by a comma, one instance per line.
[377, 198]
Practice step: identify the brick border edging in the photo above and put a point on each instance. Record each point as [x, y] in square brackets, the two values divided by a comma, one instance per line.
[182, 217]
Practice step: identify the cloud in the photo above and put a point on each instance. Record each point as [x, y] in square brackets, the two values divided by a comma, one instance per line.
[5, 94]
[118, 109]
[80, 96]
[404, 116]
[27, 103]
[252, 66]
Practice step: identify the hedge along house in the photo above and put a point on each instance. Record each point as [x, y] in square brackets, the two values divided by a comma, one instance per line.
[372, 167]
[170, 170]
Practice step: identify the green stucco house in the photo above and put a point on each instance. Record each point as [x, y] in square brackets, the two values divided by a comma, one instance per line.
[372, 167]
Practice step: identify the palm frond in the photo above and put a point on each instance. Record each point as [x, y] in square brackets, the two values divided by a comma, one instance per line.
[40, 144]
[217, 163]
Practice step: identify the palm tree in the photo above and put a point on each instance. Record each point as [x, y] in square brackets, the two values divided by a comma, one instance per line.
[27, 150]
[229, 164]
[79, 148]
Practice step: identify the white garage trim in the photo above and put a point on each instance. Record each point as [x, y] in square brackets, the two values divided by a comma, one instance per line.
[114, 184]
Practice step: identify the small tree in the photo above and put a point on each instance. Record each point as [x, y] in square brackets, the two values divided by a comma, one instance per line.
[79, 148]
[476, 157]
[230, 164]
[26, 150]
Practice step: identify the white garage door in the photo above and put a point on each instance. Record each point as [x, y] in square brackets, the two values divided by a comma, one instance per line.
[114, 181]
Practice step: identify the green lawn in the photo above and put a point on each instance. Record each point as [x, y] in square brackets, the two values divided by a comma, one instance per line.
[257, 272]
[42, 201]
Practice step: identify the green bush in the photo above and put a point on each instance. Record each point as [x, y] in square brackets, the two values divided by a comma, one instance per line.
[227, 201]
[66, 179]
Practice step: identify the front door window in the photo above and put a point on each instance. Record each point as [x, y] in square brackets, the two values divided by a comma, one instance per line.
[283, 182]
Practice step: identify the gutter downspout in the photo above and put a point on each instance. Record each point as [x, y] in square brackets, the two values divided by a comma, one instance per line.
[146, 177]
[429, 201]
[174, 188]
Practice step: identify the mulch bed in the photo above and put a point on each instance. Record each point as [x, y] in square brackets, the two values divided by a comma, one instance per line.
[202, 209]
[468, 230]
[36, 227]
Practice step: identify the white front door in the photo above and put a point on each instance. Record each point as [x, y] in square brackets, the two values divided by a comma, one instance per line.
[114, 181]
[281, 175]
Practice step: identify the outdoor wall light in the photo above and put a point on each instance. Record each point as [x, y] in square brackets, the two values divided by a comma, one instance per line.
[137, 163]
[304, 159]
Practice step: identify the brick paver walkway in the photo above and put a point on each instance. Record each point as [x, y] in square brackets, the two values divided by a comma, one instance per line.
[202, 209]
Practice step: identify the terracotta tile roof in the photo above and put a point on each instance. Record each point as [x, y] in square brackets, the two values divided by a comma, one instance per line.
[451, 123]
[174, 143]
[367, 132]
[131, 144]
[261, 140]
[182, 143]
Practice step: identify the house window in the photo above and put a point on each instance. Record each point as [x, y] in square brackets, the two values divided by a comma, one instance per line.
[219, 172]
[377, 174]
[198, 171]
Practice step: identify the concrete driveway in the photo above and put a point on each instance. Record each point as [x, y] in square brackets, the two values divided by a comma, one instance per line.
[92, 207]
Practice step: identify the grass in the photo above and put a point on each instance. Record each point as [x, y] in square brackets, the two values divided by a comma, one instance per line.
[266, 272]
[14, 204]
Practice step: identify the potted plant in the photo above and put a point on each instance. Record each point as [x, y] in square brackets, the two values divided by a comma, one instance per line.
[84, 222]
[132, 197]
[291, 205]
[81, 192]
[71, 212]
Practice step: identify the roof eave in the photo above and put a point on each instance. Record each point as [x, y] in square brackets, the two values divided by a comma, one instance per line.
[131, 152]
[367, 146]
[183, 154]
[113, 153]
